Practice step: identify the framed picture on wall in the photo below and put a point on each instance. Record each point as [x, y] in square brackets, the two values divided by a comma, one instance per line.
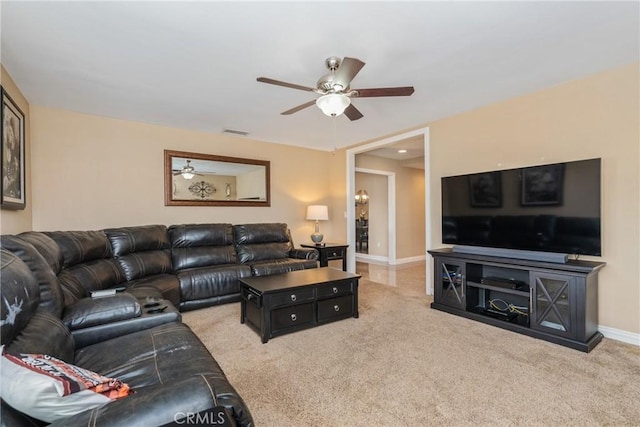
[542, 185]
[12, 154]
[485, 190]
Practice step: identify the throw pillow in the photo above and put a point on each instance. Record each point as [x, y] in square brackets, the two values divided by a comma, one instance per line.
[50, 389]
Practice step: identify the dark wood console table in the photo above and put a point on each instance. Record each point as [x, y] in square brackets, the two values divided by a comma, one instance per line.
[553, 302]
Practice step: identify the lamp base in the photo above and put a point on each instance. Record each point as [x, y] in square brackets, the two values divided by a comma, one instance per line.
[317, 237]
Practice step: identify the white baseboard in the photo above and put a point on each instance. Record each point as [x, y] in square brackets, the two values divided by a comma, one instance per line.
[620, 335]
[410, 259]
[379, 259]
[375, 259]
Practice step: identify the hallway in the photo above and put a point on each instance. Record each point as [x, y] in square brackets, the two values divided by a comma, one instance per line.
[409, 279]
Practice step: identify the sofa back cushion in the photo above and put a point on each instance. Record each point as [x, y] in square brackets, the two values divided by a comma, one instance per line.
[259, 242]
[87, 263]
[51, 297]
[81, 246]
[47, 247]
[201, 245]
[141, 251]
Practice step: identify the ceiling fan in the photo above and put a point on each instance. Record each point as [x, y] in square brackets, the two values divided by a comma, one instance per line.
[336, 91]
[187, 171]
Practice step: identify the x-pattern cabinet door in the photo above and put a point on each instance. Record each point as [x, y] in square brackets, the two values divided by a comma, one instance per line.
[553, 303]
[449, 280]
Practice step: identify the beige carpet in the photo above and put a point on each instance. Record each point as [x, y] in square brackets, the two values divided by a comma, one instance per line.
[403, 364]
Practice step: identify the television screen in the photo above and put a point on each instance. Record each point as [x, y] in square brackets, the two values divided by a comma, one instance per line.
[549, 208]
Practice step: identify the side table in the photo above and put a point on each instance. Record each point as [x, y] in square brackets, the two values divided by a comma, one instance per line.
[329, 252]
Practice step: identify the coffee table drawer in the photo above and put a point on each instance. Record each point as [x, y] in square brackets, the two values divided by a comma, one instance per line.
[335, 289]
[292, 316]
[292, 297]
[335, 307]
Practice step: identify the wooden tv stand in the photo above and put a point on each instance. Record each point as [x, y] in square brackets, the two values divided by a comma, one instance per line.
[553, 302]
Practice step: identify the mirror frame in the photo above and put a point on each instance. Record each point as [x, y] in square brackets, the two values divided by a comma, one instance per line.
[168, 180]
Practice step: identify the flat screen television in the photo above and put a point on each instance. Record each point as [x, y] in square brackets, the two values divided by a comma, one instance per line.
[548, 208]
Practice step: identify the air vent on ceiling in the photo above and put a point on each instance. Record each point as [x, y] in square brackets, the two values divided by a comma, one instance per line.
[235, 132]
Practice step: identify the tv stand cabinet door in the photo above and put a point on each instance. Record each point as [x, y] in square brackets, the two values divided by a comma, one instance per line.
[450, 283]
[553, 303]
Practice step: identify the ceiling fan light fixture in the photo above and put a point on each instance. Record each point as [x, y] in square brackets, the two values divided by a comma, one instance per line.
[188, 171]
[333, 104]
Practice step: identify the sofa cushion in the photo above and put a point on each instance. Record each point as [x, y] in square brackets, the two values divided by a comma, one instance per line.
[51, 296]
[80, 280]
[200, 245]
[167, 285]
[44, 334]
[206, 282]
[147, 263]
[81, 246]
[259, 242]
[125, 240]
[49, 389]
[167, 363]
[89, 312]
[153, 356]
[141, 251]
[161, 404]
[47, 247]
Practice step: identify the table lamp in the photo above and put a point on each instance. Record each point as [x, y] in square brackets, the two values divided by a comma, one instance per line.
[317, 213]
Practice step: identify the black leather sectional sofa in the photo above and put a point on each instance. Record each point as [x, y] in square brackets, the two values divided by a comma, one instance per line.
[136, 335]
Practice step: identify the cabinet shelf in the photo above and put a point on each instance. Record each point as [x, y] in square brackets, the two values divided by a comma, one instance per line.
[497, 289]
[561, 302]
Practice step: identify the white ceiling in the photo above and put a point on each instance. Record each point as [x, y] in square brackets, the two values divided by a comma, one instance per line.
[194, 65]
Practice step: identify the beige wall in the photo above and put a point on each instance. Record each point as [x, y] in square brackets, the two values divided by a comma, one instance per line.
[410, 194]
[592, 117]
[16, 221]
[93, 172]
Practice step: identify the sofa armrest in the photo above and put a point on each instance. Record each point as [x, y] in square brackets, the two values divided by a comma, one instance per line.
[88, 312]
[154, 313]
[303, 253]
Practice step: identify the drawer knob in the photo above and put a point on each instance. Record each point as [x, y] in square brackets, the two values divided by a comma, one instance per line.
[335, 254]
[294, 317]
[293, 298]
[335, 290]
[336, 307]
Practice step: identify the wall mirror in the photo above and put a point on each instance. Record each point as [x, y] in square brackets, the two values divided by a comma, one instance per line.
[194, 179]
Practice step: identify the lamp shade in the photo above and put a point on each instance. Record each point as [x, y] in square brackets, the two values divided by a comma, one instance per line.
[317, 213]
[333, 104]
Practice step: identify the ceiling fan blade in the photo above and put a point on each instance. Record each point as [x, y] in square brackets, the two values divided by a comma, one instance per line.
[298, 108]
[385, 91]
[285, 84]
[352, 113]
[347, 71]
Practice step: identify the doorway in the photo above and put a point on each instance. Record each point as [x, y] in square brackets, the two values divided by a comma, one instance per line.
[375, 221]
[423, 135]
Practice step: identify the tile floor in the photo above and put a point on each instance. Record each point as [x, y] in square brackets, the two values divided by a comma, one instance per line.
[408, 278]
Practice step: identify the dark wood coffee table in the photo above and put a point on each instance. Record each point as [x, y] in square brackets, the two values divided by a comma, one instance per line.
[283, 303]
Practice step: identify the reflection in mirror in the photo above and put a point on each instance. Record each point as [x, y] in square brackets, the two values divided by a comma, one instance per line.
[194, 179]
